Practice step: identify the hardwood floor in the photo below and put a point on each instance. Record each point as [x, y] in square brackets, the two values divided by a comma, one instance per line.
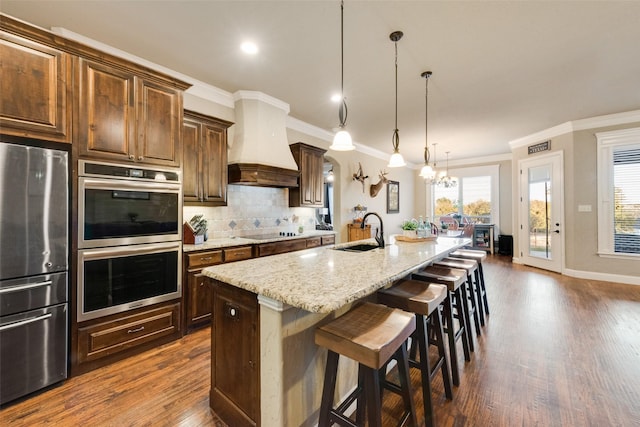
[556, 351]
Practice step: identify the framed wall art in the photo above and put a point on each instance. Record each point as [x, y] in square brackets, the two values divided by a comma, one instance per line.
[393, 197]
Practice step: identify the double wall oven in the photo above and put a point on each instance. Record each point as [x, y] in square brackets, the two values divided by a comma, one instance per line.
[129, 237]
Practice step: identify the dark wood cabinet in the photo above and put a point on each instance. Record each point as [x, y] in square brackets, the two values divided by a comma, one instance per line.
[235, 375]
[125, 117]
[198, 299]
[281, 247]
[35, 86]
[204, 159]
[105, 340]
[198, 292]
[310, 190]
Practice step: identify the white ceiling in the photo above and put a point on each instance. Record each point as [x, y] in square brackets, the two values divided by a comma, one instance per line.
[501, 70]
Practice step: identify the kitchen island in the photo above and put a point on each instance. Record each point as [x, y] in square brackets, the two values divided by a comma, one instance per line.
[266, 369]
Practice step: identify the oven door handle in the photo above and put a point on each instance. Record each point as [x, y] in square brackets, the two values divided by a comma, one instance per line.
[24, 287]
[25, 322]
[110, 184]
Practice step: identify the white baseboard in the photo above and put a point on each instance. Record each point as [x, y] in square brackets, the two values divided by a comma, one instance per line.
[593, 275]
[607, 277]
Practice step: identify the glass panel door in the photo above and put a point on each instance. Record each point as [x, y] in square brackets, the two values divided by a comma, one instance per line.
[539, 209]
[541, 240]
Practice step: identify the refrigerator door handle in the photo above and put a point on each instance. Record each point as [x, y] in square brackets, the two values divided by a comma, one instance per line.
[23, 287]
[25, 322]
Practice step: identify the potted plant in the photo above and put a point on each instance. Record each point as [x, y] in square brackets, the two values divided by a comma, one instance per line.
[409, 228]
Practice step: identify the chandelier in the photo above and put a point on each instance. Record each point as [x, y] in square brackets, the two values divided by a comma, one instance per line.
[444, 180]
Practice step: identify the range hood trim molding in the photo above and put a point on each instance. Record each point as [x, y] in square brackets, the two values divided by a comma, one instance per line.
[262, 97]
[262, 175]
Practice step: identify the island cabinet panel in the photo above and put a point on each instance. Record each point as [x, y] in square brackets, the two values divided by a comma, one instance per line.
[36, 87]
[124, 117]
[205, 160]
[310, 190]
[235, 375]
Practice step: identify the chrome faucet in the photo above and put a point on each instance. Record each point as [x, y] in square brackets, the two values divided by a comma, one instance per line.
[379, 237]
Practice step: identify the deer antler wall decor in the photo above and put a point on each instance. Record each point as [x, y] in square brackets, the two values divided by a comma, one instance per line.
[360, 176]
[374, 189]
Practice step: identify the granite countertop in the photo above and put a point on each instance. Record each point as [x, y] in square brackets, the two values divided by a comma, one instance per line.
[226, 242]
[322, 280]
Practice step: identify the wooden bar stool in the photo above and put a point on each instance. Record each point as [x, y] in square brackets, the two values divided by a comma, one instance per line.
[454, 280]
[479, 257]
[423, 299]
[370, 334]
[473, 287]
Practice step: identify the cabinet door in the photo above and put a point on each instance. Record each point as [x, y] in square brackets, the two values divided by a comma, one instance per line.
[199, 303]
[107, 118]
[191, 177]
[214, 165]
[235, 355]
[310, 190]
[159, 127]
[35, 86]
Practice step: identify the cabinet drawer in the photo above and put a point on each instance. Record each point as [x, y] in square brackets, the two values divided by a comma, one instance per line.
[237, 254]
[274, 248]
[328, 240]
[111, 337]
[204, 258]
[312, 242]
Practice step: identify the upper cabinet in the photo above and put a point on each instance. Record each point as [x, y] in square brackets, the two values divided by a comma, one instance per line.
[125, 117]
[35, 85]
[204, 160]
[310, 190]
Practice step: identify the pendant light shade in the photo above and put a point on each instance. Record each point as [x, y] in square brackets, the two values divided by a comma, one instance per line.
[342, 140]
[396, 159]
[427, 172]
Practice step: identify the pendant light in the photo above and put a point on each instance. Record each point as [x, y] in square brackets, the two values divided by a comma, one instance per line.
[342, 140]
[427, 172]
[396, 159]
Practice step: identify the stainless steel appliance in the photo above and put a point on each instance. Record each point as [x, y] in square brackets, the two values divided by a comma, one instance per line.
[129, 239]
[34, 225]
[120, 205]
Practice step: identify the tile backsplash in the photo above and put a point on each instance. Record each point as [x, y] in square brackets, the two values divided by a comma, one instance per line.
[251, 211]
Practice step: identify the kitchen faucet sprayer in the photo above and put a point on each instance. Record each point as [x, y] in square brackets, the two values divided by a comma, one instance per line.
[379, 237]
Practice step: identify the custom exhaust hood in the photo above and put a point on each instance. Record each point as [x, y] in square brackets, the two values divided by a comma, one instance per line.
[260, 154]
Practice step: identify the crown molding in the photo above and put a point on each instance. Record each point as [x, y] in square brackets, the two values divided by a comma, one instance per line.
[254, 95]
[577, 125]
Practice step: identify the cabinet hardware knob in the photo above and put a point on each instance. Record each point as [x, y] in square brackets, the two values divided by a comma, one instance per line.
[140, 158]
[131, 157]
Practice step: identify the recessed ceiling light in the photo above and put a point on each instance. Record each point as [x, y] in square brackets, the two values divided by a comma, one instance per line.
[336, 97]
[249, 47]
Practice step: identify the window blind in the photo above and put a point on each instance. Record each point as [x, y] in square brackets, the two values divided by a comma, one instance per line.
[626, 218]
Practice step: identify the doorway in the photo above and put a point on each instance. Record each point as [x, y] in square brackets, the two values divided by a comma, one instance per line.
[541, 211]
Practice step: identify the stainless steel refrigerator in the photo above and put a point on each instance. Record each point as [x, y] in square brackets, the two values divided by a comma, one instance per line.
[34, 230]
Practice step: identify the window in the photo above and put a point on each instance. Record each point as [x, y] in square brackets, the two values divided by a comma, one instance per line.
[474, 200]
[619, 192]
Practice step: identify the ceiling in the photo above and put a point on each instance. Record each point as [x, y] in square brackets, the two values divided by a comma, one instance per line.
[501, 70]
